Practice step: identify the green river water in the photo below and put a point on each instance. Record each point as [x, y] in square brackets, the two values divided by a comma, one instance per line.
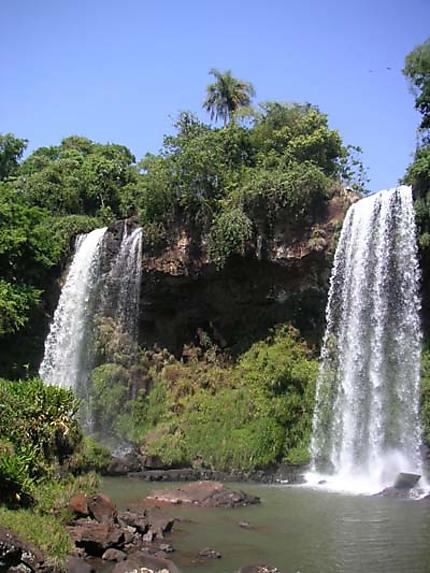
[297, 530]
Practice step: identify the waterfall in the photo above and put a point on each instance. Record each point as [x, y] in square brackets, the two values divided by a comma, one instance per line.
[99, 283]
[366, 426]
[122, 286]
[65, 357]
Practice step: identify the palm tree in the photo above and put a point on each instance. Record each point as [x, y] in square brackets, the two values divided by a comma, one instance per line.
[226, 95]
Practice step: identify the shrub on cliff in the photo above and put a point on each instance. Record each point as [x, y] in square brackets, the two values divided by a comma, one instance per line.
[231, 183]
[223, 415]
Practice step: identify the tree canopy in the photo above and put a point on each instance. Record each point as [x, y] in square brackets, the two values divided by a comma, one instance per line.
[226, 186]
[226, 95]
[417, 70]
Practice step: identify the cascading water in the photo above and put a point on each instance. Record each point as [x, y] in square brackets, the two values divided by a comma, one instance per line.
[98, 284]
[65, 358]
[122, 286]
[366, 426]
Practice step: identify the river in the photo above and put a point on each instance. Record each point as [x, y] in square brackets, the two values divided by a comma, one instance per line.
[297, 529]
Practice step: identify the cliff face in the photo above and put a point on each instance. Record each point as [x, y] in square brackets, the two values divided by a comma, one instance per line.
[282, 278]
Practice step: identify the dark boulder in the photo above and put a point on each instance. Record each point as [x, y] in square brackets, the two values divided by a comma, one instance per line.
[11, 549]
[18, 555]
[406, 480]
[95, 537]
[138, 521]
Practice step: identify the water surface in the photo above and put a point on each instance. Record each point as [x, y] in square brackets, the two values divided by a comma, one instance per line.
[297, 529]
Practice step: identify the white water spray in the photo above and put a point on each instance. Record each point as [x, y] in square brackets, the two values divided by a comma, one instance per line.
[366, 426]
[66, 344]
[123, 283]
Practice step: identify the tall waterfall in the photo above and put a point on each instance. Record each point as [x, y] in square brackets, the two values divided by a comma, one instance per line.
[366, 426]
[64, 361]
[122, 286]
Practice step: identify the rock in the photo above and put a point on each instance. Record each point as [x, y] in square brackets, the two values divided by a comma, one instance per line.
[166, 548]
[77, 565]
[17, 554]
[114, 555]
[21, 568]
[95, 537]
[134, 519]
[120, 466]
[406, 480]
[204, 494]
[152, 462]
[232, 499]
[102, 509]
[11, 549]
[143, 563]
[394, 492]
[160, 523]
[258, 569]
[79, 505]
[208, 553]
[244, 524]
[149, 537]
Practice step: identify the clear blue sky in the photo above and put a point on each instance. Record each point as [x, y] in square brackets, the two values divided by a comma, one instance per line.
[120, 70]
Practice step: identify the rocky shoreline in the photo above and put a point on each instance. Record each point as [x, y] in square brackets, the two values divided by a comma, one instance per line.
[125, 541]
[150, 470]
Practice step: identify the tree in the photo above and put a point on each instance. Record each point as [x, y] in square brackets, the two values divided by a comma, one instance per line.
[227, 95]
[417, 70]
[11, 150]
[77, 177]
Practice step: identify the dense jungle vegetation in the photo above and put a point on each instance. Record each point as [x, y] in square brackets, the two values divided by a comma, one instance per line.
[222, 184]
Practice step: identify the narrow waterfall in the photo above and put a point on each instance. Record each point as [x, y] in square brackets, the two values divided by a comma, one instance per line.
[99, 283]
[124, 279]
[366, 426]
[64, 361]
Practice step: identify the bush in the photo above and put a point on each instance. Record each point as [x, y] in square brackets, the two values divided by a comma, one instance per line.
[90, 456]
[38, 432]
[228, 236]
[225, 417]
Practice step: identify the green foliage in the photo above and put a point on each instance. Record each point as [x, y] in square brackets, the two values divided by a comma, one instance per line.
[15, 303]
[11, 150]
[32, 242]
[77, 177]
[38, 430]
[227, 95]
[223, 416]
[41, 530]
[43, 524]
[417, 70]
[89, 456]
[281, 167]
[228, 235]
[109, 393]
[52, 496]
[425, 392]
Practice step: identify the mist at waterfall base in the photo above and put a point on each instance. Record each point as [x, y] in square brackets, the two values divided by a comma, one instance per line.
[366, 425]
[94, 287]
